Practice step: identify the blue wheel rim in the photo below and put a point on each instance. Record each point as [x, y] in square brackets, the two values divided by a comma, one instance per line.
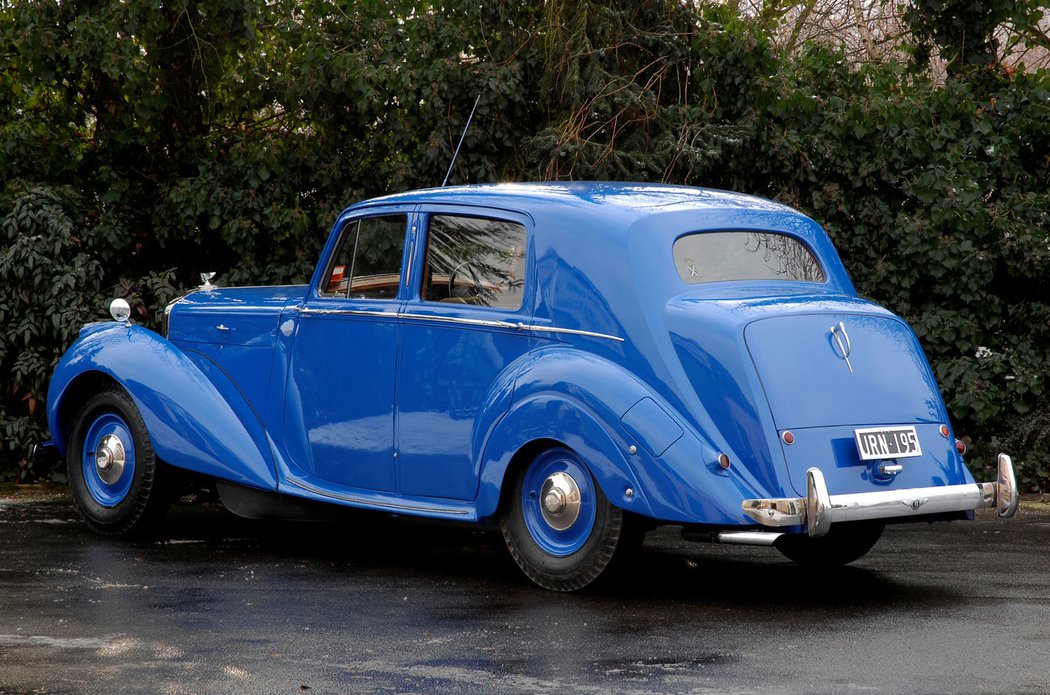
[554, 541]
[108, 494]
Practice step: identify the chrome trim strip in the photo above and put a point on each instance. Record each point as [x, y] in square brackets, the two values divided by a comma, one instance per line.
[346, 312]
[459, 320]
[462, 321]
[818, 510]
[374, 503]
[571, 331]
[232, 309]
[507, 324]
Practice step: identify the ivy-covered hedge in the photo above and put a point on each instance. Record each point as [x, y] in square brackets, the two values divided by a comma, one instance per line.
[141, 145]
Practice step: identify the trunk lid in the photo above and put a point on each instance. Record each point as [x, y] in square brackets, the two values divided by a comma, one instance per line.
[834, 369]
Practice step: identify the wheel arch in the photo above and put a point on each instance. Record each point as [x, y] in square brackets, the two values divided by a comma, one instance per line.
[549, 421]
[72, 398]
[196, 417]
[518, 461]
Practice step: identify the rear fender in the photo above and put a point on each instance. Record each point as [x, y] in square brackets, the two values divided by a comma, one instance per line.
[545, 420]
[196, 417]
[602, 412]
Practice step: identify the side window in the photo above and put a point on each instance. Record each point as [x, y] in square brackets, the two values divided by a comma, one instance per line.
[474, 260]
[367, 261]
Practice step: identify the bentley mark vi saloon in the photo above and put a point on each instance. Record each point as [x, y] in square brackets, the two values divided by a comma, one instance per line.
[576, 362]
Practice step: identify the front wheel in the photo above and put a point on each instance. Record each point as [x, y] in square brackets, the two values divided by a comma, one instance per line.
[113, 471]
[844, 543]
[559, 527]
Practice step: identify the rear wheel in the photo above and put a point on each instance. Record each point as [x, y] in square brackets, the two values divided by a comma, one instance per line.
[844, 543]
[113, 471]
[559, 527]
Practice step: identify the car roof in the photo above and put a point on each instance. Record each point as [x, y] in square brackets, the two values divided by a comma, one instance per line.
[630, 200]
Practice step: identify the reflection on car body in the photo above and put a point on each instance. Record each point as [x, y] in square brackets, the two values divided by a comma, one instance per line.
[575, 362]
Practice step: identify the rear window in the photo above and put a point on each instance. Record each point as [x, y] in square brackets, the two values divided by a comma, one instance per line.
[744, 255]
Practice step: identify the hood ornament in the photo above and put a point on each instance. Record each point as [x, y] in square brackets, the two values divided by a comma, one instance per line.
[841, 337]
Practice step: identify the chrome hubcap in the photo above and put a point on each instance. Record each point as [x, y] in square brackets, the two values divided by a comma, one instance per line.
[110, 458]
[561, 501]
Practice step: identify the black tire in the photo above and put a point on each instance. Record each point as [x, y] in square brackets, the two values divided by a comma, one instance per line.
[589, 548]
[844, 543]
[135, 499]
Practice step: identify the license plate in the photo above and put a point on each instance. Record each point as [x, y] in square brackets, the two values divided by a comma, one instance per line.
[874, 443]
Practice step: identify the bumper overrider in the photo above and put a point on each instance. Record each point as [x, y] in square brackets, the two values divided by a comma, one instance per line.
[818, 510]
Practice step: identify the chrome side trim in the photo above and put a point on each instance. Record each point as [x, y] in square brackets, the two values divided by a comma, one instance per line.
[570, 331]
[818, 510]
[346, 312]
[365, 502]
[459, 320]
[226, 309]
[508, 324]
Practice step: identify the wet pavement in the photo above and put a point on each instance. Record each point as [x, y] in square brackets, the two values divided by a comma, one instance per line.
[373, 604]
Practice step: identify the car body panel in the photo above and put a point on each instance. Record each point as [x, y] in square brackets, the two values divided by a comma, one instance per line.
[339, 400]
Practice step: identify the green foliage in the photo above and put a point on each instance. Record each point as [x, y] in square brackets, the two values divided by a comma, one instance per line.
[965, 31]
[48, 281]
[143, 143]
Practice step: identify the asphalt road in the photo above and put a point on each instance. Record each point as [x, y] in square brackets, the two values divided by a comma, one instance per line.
[375, 604]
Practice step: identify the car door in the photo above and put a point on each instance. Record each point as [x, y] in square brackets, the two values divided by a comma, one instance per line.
[457, 343]
[339, 402]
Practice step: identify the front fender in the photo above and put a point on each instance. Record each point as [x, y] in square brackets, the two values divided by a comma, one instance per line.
[196, 417]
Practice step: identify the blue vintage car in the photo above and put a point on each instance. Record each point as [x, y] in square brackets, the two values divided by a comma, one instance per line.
[576, 362]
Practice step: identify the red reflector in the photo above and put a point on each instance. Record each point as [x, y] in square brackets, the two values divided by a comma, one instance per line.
[788, 438]
[723, 461]
[944, 430]
[960, 446]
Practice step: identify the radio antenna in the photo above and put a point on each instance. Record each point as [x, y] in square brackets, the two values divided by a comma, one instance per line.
[456, 153]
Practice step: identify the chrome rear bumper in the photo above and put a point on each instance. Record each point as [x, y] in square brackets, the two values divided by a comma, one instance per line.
[818, 510]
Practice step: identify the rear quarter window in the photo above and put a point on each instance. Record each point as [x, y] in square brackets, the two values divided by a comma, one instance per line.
[744, 255]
